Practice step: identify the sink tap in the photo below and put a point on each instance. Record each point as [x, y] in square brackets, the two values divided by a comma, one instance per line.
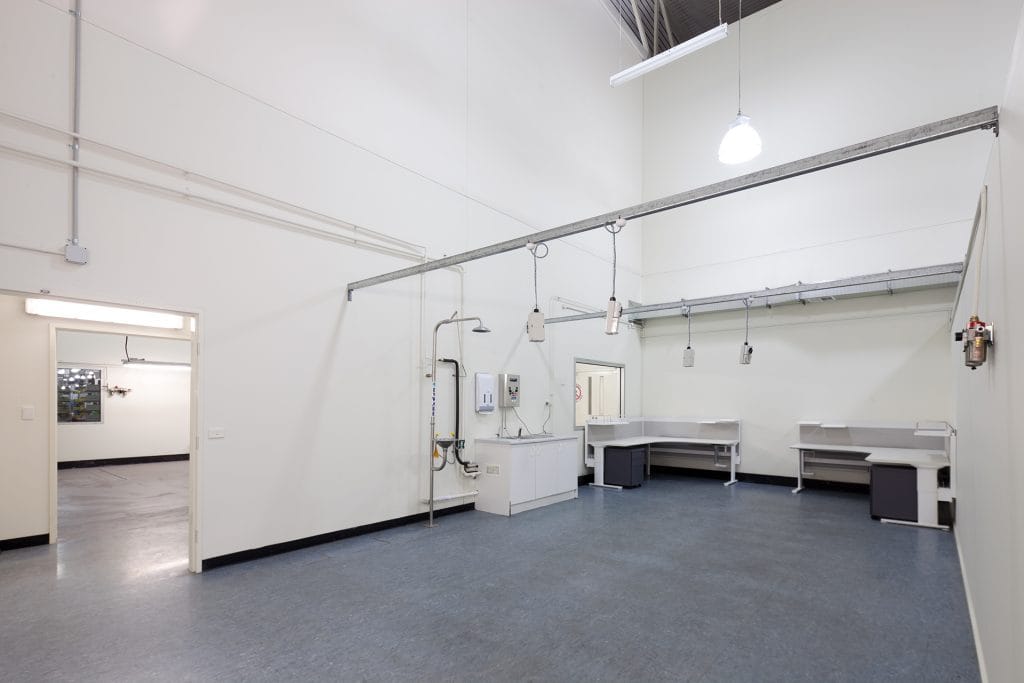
[520, 433]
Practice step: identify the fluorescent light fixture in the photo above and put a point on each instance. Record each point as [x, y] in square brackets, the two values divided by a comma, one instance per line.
[55, 308]
[143, 361]
[741, 142]
[662, 58]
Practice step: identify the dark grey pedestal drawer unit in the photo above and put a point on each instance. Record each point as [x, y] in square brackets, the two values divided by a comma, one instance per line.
[624, 466]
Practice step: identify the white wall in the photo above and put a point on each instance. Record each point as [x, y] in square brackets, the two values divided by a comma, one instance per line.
[24, 444]
[152, 419]
[989, 405]
[872, 358]
[390, 116]
[818, 76]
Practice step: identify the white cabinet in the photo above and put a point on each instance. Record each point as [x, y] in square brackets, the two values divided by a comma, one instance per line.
[522, 474]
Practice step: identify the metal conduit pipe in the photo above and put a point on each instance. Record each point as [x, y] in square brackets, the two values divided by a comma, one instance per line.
[222, 184]
[76, 107]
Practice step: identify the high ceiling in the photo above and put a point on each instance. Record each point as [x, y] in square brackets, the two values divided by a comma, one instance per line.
[686, 18]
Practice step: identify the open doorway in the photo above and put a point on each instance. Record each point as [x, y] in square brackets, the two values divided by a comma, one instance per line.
[598, 390]
[123, 414]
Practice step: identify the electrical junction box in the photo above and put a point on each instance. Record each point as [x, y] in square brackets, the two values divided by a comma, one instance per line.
[74, 253]
[508, 390]
[535, 326]
[485, 392]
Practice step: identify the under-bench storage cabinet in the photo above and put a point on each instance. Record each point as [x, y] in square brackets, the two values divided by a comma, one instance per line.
[523, 474]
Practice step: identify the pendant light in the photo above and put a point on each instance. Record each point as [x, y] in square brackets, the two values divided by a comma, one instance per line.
[741, 142]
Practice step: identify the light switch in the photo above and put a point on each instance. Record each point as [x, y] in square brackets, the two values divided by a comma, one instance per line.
[215, 433]
[28, 412]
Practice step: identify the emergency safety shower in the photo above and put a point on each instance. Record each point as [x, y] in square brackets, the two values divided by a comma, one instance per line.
[436, 442]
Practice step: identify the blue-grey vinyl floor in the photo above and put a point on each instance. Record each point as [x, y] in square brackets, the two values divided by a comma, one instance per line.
[680, 580]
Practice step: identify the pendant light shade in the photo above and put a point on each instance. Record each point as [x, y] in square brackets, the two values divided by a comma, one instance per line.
[741, 142]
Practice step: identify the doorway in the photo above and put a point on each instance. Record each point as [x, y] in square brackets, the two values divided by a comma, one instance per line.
[598, 390]
[123, 430]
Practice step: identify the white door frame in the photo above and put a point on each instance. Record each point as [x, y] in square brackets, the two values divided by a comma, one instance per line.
[194, 562]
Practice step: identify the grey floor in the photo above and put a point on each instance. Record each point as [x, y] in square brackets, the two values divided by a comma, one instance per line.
[681, 580]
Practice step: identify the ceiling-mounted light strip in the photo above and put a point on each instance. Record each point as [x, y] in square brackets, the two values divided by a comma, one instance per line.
[56, 308]
[143, 361]
[671, 55]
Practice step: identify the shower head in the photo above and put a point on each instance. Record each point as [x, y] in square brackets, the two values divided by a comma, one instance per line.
[481, 327]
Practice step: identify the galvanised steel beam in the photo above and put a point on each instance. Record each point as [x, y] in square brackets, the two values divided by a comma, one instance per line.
[978, 120]
[952, 270]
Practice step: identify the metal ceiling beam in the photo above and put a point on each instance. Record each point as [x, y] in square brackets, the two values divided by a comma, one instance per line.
[638, 312]
[978, 120]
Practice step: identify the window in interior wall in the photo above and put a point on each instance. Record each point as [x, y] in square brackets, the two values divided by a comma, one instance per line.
[598, 390]
[78, 394]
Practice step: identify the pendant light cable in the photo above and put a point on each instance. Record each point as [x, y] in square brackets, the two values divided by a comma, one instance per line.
[689, 321]
[615, 228]
[536, 257]
[739, 62]
[746, 325]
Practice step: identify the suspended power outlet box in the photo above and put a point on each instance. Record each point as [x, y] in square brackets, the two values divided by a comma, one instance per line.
[611, 321]
[688, 357]
[535, 326]
[746, 351]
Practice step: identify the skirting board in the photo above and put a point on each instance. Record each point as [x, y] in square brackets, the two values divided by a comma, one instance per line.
[329, 537]
[982, 670]
[24, 542]
[106, 462]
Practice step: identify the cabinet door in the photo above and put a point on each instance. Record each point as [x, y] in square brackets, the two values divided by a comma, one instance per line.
[556, 467]
[568, 465]
[521, 473]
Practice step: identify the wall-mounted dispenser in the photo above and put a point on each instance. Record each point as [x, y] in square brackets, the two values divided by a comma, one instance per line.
[508, 390]
[485, 384]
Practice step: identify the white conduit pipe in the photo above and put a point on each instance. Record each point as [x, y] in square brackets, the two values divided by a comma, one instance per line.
[182, 194]
[981, 249]
[190, 175]
[53, 252]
